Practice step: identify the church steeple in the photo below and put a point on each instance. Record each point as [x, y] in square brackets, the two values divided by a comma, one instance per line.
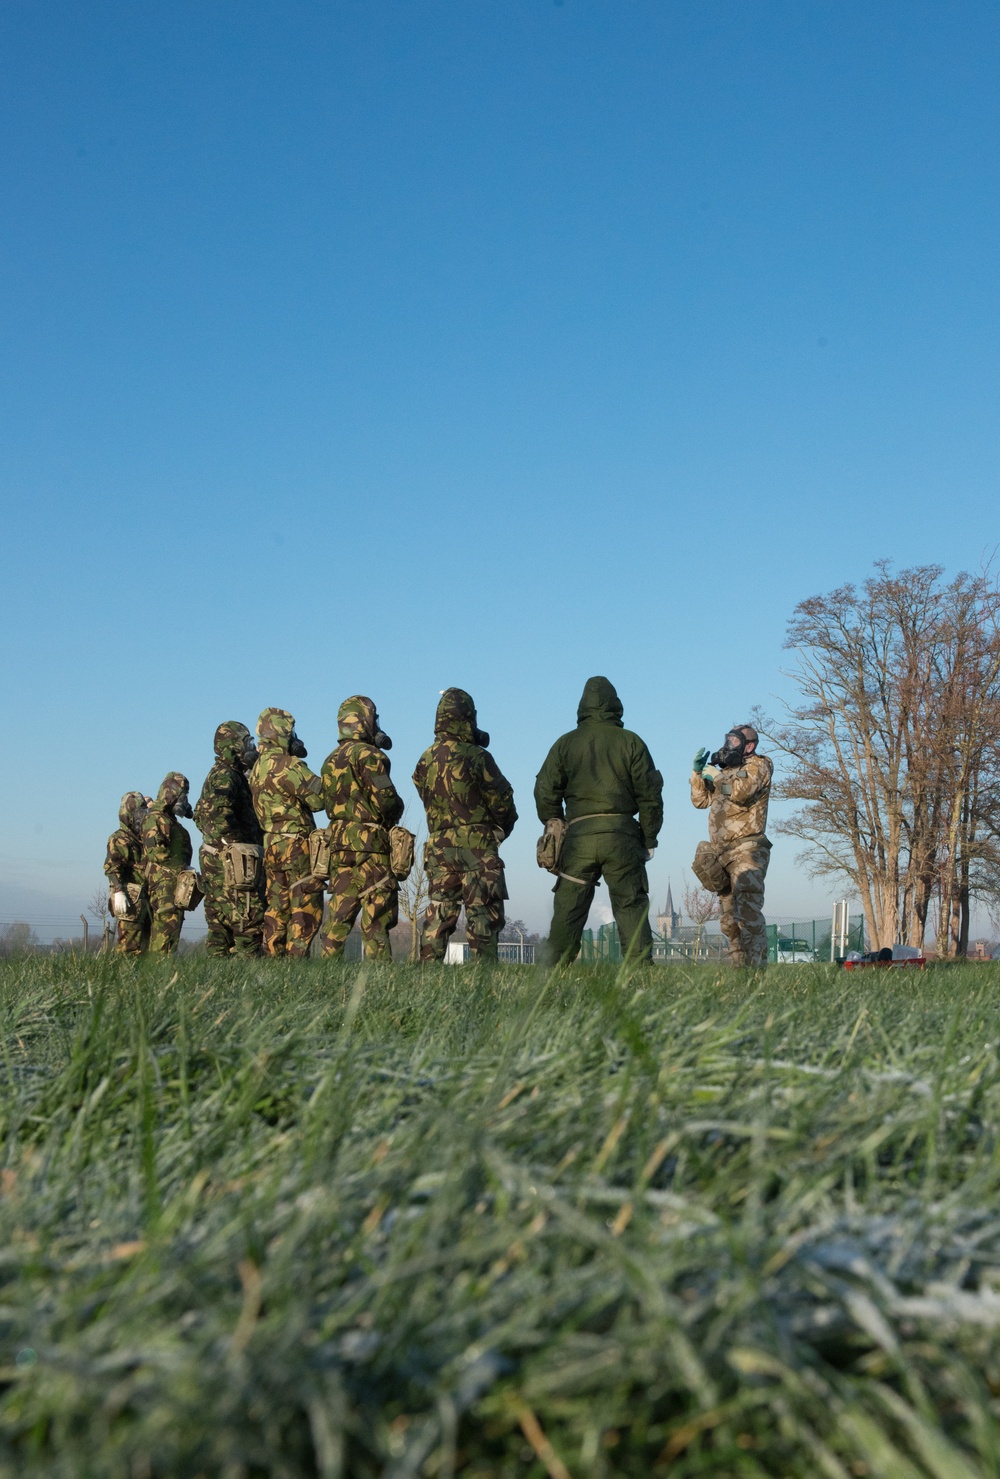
[669, 920]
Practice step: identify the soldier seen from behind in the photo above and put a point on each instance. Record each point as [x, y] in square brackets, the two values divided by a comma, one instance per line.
[285, 795]
[594, 782]
[129, 899]
[232, 848]
[167, 854]
[362, 804]
[470, 811]
[734, 785]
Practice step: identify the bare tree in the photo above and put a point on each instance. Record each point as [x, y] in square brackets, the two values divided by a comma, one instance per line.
[701, 906]
[98, 909]
[893, 745]
[413, 896]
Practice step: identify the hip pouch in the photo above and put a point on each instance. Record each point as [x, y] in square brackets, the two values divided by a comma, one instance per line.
[548, 848]
[187, 890]
[401, 851]
[708, 870]
[319, 852]
[242, 864]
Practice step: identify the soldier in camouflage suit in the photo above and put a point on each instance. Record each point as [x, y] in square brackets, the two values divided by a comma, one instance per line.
[126, 877]
[734, 788]
[285, 795]
[167, 852]
[470, 810]
[225, 814]
[362, 804]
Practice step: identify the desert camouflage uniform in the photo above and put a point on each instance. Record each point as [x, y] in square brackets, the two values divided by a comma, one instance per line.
[285, 795]
[737, 815]
[470, 810]
[225, 814]
[124, 868]
[362, 804]
[167, 852]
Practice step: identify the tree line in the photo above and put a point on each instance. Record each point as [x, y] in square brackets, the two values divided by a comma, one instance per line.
[893, 748]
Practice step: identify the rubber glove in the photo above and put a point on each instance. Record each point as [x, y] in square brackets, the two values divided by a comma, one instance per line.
[698, 763]
[710, 773]
[649, 852]
[119, 904]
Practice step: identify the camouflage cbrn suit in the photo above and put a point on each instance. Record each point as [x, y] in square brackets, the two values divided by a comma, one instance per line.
[285, 795]
[470, 810]
[362, 804]
[225, 814]
[124, 868]
[166, 852]
[736, 801]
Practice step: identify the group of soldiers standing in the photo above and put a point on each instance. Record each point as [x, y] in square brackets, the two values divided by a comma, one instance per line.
[266, 867]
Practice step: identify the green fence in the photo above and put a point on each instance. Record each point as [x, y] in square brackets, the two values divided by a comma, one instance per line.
[787, 943]
[807, 940]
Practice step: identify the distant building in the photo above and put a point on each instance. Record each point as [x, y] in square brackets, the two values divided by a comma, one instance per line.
[668, 921]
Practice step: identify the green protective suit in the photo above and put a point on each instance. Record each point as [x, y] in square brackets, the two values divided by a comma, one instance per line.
[597, 778]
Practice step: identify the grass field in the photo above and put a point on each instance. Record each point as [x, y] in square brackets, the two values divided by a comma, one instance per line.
[288, 1219]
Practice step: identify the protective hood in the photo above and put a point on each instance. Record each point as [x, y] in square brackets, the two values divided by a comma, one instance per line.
[600, 701]
[456, 719]
[173, 788]
[230, 742]
[275, 728]
[132, 811]
[356, 719]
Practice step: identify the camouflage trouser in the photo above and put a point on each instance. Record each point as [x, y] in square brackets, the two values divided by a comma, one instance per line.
[165, 932]
[133, 930]
[361, 883]
[472, 876]
[621, 859]
[293, 915]
[741, 917]
[235, 919]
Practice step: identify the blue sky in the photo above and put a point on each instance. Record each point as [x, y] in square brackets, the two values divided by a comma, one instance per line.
[388, 345]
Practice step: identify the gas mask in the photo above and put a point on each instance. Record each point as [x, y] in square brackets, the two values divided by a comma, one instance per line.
[732, 752]
[137, 816]
[296, 747]
[250, 755]
[182, 806]
[381, 739]
[480, 737]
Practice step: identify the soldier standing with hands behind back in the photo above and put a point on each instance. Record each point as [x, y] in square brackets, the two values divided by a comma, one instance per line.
[734, 785]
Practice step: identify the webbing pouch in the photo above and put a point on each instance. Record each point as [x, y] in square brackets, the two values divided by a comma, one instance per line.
[549, 846]
[242, 863]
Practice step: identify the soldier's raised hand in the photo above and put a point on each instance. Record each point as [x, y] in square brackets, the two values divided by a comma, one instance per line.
[698, 763]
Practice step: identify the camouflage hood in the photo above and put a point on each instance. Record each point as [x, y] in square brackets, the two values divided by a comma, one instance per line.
[274, 730]
[132, 811]
[456, 719]
[230, 742]
[356, 719]
[174, 786]
[600, 702]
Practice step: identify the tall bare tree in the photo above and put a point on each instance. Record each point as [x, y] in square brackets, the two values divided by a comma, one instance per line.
[413, 896]
[893, 745]
[701, 906]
